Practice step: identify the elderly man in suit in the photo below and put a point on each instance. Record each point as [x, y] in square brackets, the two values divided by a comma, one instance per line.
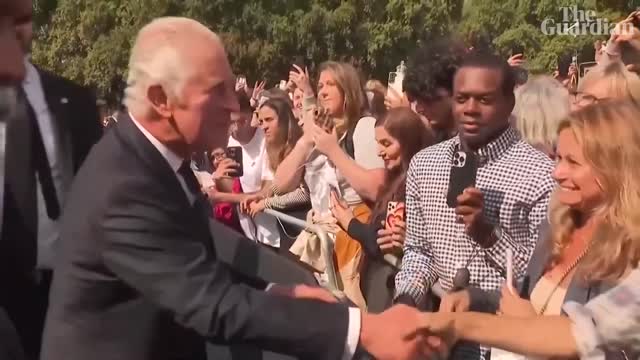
[138, 277]
[44, 148]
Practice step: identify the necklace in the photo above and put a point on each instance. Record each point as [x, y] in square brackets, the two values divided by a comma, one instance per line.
[562, 278]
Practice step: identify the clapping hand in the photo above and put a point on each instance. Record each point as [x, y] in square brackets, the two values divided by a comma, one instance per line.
[326, 141]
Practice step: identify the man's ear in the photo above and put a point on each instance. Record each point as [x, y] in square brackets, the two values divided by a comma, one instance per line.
[159, 101]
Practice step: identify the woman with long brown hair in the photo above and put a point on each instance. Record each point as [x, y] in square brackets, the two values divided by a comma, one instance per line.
[341, 158]
[400, 134]
[281, 132]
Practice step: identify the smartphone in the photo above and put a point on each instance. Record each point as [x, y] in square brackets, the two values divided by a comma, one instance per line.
[517, 49]
[235, 153]
[391, 80]
[563, 65]
[283, 85]
[395, 213]
[463, 175]
[299, 61]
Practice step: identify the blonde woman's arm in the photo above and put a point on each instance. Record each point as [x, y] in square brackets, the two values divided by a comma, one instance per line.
[545, 336]
[609, 321]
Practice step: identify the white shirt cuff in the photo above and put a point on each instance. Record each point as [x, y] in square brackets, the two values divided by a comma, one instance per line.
[353, 334]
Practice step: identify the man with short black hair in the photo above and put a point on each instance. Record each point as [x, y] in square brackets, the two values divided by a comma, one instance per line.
[428, 84]
[501, 212]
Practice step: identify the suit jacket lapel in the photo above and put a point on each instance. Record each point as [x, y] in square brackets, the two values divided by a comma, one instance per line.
[160, 169]
[58, 104]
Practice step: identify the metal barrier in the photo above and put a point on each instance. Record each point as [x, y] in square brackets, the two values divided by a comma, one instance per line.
[327, 246]
[325, 241]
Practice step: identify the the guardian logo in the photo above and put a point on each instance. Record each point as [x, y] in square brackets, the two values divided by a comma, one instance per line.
[577, 22]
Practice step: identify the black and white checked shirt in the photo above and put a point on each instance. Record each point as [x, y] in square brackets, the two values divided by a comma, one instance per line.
[516, 182]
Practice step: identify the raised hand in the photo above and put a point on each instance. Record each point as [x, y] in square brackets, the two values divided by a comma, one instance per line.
[300, 78]
[516, 60]
[394, 100]
[257, 90]
[225, 169]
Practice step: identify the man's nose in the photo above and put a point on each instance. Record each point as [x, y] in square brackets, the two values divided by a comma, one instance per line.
[471, 107]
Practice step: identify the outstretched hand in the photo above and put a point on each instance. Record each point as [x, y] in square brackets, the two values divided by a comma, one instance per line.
[398, 334]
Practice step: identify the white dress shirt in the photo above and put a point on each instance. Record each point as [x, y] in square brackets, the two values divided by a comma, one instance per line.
[175, 161]
[48, 229]
[262, 228]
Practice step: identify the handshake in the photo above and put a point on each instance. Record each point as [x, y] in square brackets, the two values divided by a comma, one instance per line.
[404, 333]
[399, 333]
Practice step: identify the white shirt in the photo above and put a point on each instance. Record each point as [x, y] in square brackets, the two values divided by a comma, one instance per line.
[253, 157]
[262, 228]
[48, 230]
[175, 161]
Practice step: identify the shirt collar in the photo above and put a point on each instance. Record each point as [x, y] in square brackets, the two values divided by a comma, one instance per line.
[174, 160]
[31, 75]
[497, 147]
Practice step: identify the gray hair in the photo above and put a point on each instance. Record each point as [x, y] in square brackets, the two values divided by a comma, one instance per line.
[157, 59]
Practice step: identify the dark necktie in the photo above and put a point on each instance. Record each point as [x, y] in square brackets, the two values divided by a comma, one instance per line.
[189, 177]
[201, 202]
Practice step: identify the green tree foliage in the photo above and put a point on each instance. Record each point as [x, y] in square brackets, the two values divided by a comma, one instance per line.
[510, 24]
[89, 40]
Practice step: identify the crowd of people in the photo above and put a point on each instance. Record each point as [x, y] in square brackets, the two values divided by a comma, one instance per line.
[478, 213]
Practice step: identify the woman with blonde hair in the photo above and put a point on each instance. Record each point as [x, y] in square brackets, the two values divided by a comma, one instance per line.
[592, 240]
[375, 95]
[605, 82]
[336, 153]
[540, 105]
